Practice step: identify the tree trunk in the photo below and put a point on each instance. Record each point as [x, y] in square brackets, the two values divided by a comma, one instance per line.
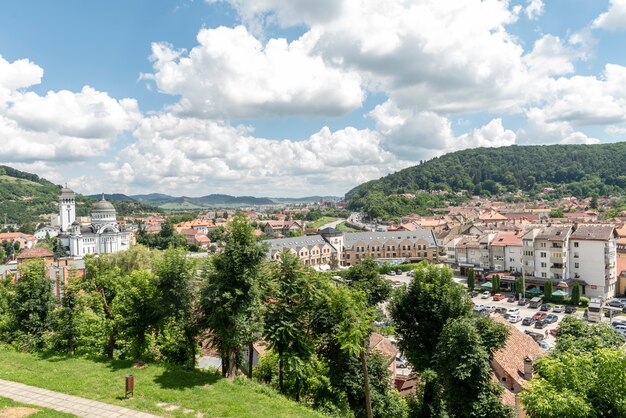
[280, 372]
[366, 380]
[250, 359]
[111, 344]
[232, 363]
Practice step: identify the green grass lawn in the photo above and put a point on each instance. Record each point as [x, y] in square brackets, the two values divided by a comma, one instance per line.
[43, 412]
[156, 383]
[345, 228]
[321, 221]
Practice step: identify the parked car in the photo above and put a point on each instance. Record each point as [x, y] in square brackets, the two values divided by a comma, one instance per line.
[618, 321]
[554, 332]
[392, 273]
[621, 330]
[615, 303]
[545, 307]
[399, 272]
[514, 319]
[474, 293]
[528, 321]
[551, 319]
[513, 311]
[501, 310]
[541, 324]
[490, 308]
[522, 301]
[511, 299]
[539, 316]
[543, 344]
[485, 294]
[537, 336]
[498, 296]
[411, 274]
[570, 309]
[558, 308]
[535, 302]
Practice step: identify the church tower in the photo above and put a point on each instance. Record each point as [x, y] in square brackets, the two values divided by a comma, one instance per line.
[67, 209]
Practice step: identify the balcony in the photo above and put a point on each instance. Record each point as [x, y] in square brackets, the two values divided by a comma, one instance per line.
[557, 260]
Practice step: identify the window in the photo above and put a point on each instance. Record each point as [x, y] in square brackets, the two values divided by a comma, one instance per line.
[543, 255]
[575, 245]
[542, 245]
[544, 275]
[576, 265]
[543, 265]
[575, 255]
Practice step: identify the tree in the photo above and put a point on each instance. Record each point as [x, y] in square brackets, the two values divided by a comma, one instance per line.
[32, 303]
[354, 319]
[547, 290]
[292, 300]
[462, 362]
[136, 308]
[421, 311]
[365, 276]
[175, 273]
[495, 284]
[575, 299]
[577, 336]
[519, 285]
[471, 280]
[230, 298]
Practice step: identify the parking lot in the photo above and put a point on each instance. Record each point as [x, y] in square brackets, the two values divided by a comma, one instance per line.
[525, 311]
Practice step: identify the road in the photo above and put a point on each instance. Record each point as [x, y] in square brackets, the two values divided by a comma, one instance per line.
[332, 224]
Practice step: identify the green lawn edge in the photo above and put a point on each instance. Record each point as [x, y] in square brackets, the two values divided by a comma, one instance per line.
[156, 383]
[43, 412]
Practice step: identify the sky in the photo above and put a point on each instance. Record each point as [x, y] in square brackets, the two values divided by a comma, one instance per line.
[288, 98]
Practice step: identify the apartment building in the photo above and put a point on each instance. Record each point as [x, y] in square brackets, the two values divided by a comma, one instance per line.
[413, 246]
[506, 251]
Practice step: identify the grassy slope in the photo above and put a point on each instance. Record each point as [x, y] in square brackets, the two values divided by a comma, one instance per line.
[43, 412]
[104, 381]
[345, 228]
[321, 221]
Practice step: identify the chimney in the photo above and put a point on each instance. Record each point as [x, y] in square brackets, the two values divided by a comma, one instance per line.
[528, 368]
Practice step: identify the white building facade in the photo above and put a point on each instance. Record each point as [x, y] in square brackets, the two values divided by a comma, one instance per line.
[102, 236]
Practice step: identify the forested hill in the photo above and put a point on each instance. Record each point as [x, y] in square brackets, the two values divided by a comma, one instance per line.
[579, 170]
[25, 197]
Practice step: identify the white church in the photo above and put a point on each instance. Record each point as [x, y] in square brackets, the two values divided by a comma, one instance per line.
[102, 236]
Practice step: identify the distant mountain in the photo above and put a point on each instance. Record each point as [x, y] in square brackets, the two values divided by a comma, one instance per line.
[114, 196]
[26, 197]
[307, 199]
[184, 202]
[574, 170]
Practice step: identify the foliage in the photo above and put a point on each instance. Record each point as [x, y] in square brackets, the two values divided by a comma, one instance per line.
[230, 298]
[547, 290]
[575, 299]
[471, 277]
[421, 311]
[591, 170]
[493, 334]
[462, 361]
[495, 284]
[364, 276]
[577, 336]
[292, 302]
[31, 305]
[167, 237]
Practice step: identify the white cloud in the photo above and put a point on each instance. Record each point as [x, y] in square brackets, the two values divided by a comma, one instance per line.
[614, 18]
[418, 135]
[60, 126]
[550, 56]
[539, 130]
[230, 74]
[534, 9]
[588, 100]
[196, 156]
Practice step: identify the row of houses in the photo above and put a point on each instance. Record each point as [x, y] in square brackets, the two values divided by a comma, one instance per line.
[333, 246]
[562, 253]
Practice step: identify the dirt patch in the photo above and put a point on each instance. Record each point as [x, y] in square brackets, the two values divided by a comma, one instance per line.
[17, 412]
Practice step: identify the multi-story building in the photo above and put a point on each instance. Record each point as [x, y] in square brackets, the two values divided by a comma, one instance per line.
[592, 259]
[506, 252]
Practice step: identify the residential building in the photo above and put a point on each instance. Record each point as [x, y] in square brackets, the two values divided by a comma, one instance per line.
[24, 240]
[506, 252]
[412, 246]
[282, 227]
[593, 259]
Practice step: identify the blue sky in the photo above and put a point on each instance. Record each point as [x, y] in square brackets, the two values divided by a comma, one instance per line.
[292, 98]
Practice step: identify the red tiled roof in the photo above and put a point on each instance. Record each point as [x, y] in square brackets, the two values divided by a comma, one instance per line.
[35, 253]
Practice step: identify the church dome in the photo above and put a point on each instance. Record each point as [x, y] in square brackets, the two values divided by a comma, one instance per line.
[103, 205]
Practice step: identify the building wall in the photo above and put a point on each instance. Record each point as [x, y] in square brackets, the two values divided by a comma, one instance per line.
[593, 265]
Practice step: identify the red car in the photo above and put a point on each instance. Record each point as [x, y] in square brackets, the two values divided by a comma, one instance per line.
[554, 331]
[539, 316]
[498, 296]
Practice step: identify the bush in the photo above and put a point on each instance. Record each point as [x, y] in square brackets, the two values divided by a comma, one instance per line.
[584, 301]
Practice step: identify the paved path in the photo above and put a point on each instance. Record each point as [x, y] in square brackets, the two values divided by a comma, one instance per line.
[66, 403]
[332, 224]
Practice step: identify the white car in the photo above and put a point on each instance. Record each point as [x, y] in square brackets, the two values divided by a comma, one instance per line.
[512, 312]
[485, 294]
[490, 308]
[513, 319]
[558, 308]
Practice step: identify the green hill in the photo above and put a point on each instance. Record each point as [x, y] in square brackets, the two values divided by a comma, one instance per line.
[25, 197]
[574, 170]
